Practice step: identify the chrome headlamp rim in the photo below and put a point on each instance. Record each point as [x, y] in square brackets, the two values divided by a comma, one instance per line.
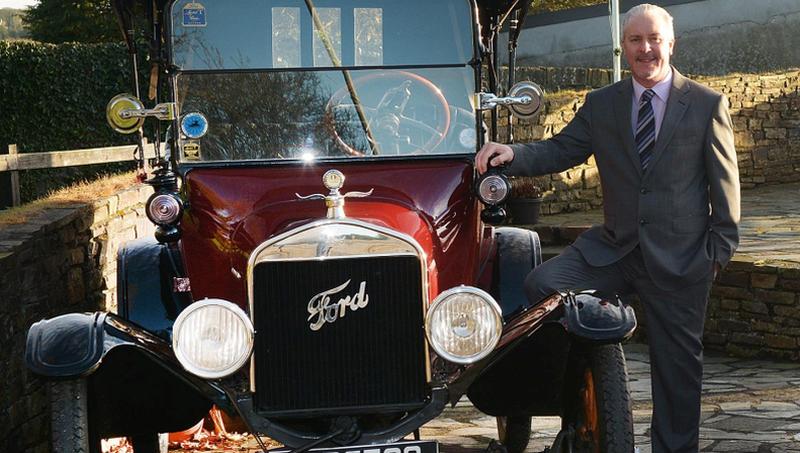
[178, 213]
[235, 366]
[498, 319]
[502, 182]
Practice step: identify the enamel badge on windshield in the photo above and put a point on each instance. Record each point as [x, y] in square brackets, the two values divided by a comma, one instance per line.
[194, 125]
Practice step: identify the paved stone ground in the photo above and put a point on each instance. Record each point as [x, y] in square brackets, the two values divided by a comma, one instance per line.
[748, 406]
[770, 227]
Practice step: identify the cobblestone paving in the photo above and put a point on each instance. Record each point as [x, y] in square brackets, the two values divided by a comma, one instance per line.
[770, 227]
[748, 406]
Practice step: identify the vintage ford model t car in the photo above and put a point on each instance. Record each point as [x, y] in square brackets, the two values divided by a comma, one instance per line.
[325, 265]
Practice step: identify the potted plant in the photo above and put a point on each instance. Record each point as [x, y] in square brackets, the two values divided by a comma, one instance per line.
[525, 201]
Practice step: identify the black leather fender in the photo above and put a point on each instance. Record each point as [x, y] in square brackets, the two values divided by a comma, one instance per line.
[146, 270]
[130, 372]
[598, 319]
[66, 346]
[519, 251]
[76, 344]
[529, 376]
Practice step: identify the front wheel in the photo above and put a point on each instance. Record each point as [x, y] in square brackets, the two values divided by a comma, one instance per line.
[69, 422]
[601, 420]
[514, 432]
[69, 419]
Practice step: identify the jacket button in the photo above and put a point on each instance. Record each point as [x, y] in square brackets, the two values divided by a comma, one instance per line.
[643, 190]
[642, 222]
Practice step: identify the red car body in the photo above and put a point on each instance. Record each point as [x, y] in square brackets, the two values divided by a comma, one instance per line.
[233, 210]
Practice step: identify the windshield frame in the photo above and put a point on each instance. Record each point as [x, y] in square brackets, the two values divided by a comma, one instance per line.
[174, 72]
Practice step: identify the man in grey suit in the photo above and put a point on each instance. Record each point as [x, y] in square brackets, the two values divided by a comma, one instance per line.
[664, 150]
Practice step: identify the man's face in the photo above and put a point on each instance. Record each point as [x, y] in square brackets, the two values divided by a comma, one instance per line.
[647, 42]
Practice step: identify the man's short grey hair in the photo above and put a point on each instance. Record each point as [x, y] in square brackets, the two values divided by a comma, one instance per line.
[647, 8]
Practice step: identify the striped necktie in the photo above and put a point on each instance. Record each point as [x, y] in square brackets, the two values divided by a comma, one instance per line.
[645, 128]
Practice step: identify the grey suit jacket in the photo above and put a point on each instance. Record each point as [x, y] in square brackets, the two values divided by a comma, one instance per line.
[683, 211]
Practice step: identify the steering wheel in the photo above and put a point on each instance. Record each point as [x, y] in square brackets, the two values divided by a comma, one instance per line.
[392, 112]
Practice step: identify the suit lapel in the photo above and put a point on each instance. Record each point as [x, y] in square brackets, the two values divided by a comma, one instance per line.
[623, 103]
[677, 104]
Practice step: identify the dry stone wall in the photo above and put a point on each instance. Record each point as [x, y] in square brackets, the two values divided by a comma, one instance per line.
[62, 260]
[765, 110]
[754, 310]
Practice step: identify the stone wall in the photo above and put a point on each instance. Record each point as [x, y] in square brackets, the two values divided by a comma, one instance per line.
[754, 310]
[62, 260]
[765, 110]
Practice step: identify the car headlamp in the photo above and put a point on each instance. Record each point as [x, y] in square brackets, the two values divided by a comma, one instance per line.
[493, 188]
[464, 324]
[164, 208]
[212, 338]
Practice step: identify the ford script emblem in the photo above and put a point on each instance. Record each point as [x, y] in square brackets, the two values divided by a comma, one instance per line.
[321, 309]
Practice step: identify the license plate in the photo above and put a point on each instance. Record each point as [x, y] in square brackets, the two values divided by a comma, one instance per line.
[415, 446]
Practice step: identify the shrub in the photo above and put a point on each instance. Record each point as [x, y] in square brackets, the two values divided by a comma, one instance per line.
[53, 97]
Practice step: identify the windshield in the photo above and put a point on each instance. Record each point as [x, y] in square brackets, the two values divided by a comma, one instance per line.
[305, 79]
[259, 34]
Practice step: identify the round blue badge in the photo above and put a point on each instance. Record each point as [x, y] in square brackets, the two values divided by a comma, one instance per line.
[194, 125]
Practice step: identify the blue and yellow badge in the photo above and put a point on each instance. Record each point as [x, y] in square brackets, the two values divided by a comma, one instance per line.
[194, 15]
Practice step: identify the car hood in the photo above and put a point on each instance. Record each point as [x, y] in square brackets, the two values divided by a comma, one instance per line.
[232, 210]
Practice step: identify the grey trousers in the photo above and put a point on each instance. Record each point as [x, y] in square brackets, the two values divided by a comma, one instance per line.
[674, 330]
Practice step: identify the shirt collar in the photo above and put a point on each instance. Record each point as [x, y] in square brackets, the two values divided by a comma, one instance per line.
[661, 89]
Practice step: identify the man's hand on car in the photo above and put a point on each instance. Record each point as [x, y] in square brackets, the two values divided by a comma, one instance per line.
[493, 154]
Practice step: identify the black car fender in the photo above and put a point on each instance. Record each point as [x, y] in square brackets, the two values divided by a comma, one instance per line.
[77, 344]
[66, 346]
[518, 252]
[130, 372]
[146, 291]
[527, 373]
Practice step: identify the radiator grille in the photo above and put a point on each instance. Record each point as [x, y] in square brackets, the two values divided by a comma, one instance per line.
[373, 356]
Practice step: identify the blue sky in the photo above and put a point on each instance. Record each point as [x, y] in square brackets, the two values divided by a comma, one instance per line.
[16, 3]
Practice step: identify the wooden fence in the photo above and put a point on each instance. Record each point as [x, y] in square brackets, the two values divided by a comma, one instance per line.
[14, 162]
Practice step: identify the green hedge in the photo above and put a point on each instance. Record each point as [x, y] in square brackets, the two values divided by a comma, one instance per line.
[53, 97]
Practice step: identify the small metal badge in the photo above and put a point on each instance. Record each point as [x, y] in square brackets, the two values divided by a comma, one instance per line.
[191, 150]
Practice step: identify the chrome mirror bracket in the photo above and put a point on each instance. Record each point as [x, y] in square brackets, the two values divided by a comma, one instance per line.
[524, 100]
[125, 113]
